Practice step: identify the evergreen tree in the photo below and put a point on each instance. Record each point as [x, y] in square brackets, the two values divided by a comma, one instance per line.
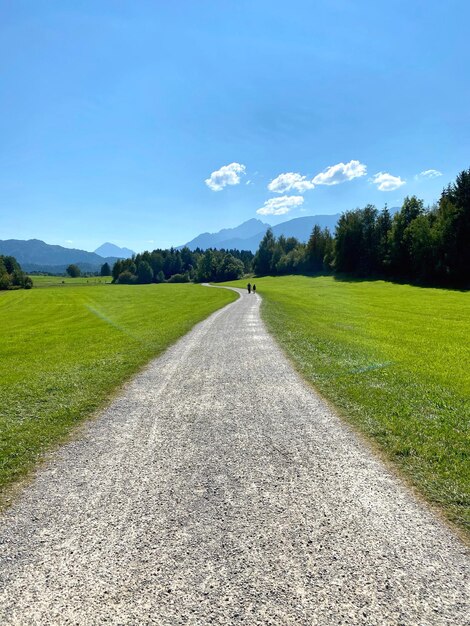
[400, 236]
[348, 242]
[156, 262]
[369, 252]
[117, 269]
[422, 249]
[144, 273]
[316, 248]
[187, 259]
[453, 228]
[328, 258]
[384, 228]
[262, 263]
[105, 270]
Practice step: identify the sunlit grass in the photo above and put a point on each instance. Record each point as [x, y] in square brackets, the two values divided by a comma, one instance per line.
[66, 281]
[395, 359]
[63, 352]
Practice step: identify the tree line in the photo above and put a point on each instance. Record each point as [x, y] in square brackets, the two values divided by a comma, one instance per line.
[425, 245]
[12, 276]
[417, 244]
[181, 266]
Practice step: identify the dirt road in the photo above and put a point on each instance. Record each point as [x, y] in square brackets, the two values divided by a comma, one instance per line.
[219, 489]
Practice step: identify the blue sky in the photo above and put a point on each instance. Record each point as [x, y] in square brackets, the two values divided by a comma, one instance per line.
[113, 114]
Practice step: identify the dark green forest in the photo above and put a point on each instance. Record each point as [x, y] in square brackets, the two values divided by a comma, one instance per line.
[421, 245]
[183, 266]
[418, 244]
[12, 276]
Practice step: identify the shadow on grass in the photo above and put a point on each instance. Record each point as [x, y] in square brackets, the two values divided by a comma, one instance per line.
[352, 278]
[355, 278]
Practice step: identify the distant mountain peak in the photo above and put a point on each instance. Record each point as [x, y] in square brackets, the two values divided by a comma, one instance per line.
[254, 220]
[234, 236]
[110, 249]
[248, 235]
[36, 255]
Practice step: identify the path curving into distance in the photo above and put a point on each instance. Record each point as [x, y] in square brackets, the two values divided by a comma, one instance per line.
[218, 488]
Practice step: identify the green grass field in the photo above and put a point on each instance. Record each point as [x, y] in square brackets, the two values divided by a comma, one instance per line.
[66, 281]
[395, 360]
[63, 352]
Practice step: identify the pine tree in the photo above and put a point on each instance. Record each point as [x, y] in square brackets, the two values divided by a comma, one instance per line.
[105, 270]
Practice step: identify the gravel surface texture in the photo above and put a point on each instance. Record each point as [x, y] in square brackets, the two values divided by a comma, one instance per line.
[218, 488]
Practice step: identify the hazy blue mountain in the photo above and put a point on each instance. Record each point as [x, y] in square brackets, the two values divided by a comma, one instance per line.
[248, 235]
[237, 235]
[241, 239]
[301, 227]
[36, 255]
[110, 249]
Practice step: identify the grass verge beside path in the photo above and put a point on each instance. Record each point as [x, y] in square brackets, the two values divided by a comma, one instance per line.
[395, 360]
[63, 351]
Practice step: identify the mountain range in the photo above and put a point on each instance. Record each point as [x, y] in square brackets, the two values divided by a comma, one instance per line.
[35, 255]
[248, 235]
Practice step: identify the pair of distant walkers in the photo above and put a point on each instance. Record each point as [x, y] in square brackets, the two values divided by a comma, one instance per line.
[251, 288]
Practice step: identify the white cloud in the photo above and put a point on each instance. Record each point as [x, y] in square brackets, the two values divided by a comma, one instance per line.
[428, 174]
[387, 182]
[290, 181]
[340, 173]
[227, 175]
[281, 205]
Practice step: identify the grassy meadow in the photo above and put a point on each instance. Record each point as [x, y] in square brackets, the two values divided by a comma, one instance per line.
[395, 360]
[66, 281]
[64, 350]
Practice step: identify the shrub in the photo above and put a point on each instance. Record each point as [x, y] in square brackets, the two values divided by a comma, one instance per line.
[73, 270]
[179, 278]
[5, 281]
[12, 276]
[126, 278]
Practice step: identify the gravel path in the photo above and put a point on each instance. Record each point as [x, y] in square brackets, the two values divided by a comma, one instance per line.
[219, 489]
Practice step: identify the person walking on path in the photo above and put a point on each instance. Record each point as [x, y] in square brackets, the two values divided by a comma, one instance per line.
[249, 287]
[254, 288]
